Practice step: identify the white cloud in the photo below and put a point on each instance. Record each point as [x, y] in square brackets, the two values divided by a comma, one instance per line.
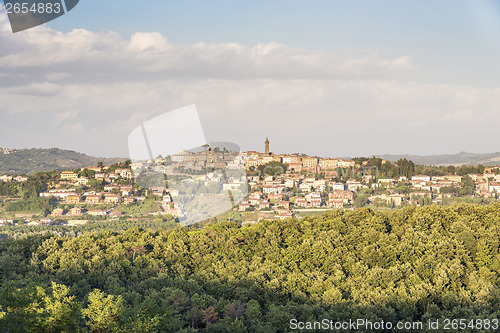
[44, 89]
[86, 91]
[57, 76]
[62, 117]
[4, 21]
[147, 42]
[327, 117]
[81, 51]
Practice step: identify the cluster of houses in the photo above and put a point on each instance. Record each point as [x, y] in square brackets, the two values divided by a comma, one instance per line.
[485, 185]
[296, 163]
[291, 191]
[28, 221]
[112, 194]
[100, 174]
[7, 178]
[48, 221]
[5, 151]
[193, 161]
[3, 222]
[307, 183]
[301, 187]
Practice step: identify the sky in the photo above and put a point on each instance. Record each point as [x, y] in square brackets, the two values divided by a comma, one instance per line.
[325, 78]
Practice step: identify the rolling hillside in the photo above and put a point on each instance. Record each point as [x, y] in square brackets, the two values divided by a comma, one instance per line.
[449, 159]
[30, 161]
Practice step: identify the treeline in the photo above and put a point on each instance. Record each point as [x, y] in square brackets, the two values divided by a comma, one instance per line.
[412, 264]
[42, 205]
[407, 168]
[29, 189]
[118, 225]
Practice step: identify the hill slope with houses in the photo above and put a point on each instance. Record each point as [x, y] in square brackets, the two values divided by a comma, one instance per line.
[30, 161]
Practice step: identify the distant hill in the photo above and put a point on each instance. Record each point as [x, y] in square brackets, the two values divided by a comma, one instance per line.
[30, 161]
[452, 159]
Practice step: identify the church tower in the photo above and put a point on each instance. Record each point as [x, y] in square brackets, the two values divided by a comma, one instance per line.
[267, 146]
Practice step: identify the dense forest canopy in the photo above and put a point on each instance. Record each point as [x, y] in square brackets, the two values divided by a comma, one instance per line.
[409, 264]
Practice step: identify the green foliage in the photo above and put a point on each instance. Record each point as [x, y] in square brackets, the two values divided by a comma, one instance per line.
[104, 311]
[30, 161]
[402, 167]
[464, 170]
[467, 186]
[407, 168]
[151, 179]
[165, 223]
[145, 207]
[40, 205]
[96, 184]
[32, 309]
[410, 264]
[449, 189]
[360, 201]
[273, 168]
[27, 189]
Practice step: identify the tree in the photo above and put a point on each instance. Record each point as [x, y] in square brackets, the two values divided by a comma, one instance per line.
[451, 169]
[467, 185]
[61, 310]
[253, 310]
[273, 168]
[360, 200]
[32, 309]
[104, 311]
[136, 251]
[406, 167]
[209, 315]
[407, 264]
[483, 253]
[235, 310]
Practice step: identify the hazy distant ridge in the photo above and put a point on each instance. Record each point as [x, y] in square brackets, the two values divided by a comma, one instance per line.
[34, 160]
[455, 159]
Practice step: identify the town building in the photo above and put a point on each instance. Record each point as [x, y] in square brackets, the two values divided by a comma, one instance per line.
[69, 175]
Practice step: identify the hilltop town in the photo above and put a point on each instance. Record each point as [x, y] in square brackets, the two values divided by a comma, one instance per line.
[314, 183]
[269, 186]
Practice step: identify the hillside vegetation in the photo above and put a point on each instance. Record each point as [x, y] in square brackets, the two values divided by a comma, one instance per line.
[30, 161]
[449, 159]
[412, 264]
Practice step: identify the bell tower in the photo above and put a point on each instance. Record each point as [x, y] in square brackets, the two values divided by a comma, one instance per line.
[267, 146]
